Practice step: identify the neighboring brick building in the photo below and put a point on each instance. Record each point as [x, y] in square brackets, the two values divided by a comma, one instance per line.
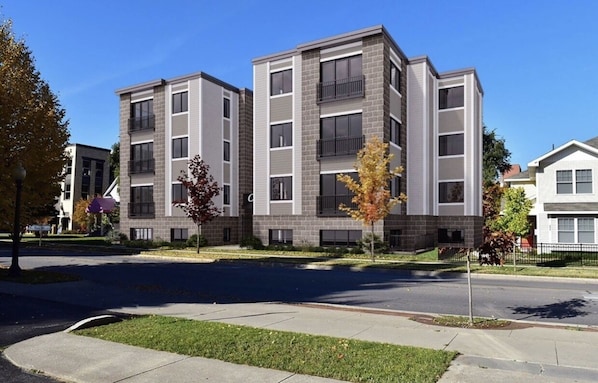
[316, 105]
[87, 174]
[163, 124]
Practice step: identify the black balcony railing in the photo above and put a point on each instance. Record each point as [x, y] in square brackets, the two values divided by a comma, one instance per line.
[141, 210]
[327, 205]
[351, 87]
[141, 166]
[339, 146]
[137, 124]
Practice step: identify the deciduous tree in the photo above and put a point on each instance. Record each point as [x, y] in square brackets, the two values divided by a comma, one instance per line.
[496, 157]
[201, 190]
[372, 188]
[33, 132]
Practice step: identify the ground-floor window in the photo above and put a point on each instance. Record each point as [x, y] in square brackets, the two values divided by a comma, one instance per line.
[575, 230]
[145, 234]
[394, 239]
[179, 235]
[280, 237]
[226, 233]
[451, 236]
[339, 237]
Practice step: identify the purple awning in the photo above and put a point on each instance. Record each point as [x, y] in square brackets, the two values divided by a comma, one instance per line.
[101, 205]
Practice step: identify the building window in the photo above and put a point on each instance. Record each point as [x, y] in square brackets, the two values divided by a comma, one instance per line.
[226, 151]
[451, 236]
[142, 116]
[280, 237]
[226, 107]
[340, 135]
[450, 192]
[69, 166]
[226, 194]
[281, 135]
[395, 187]
[585, 230]
[395, 77]
[281, 188]
[142, 158]
[99, 178]
[394, 239]
[451, 145]
[86, 165]
[138, 234]
[281, 82]
[451, 97]
[341, 78]
[566, 230]
[333, 193]
[179, 193]
[179, 235]
[67, 191]
[564, 182]
[583, 181]
[142, 201]
[226, 234]
[179, 102]
[180, 147]
[339, 237]
[395, 131]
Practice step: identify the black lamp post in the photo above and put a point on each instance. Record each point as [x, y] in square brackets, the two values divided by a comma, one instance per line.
[18, 174]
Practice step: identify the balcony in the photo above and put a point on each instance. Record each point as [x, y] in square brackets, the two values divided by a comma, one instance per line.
[339, 146]
[141, 210]
[137, 124]
[327, 205]
[141, 166]
[351, 87]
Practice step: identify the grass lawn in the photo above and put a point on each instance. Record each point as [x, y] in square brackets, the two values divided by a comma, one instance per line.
[336, 358]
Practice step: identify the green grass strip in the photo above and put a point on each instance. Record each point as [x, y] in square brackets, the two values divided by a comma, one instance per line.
[329, 357]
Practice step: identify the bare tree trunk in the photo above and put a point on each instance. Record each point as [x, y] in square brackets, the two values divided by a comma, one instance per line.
[372, 244]
[469, 288]
[198, 233]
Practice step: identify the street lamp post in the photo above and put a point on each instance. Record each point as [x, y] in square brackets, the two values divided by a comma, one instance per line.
[19, 174]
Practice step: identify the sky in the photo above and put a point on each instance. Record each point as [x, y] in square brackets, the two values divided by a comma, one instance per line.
[536, 59]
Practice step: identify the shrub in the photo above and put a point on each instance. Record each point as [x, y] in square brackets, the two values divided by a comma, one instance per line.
[380, 247]
[192, 241]
[252, 242]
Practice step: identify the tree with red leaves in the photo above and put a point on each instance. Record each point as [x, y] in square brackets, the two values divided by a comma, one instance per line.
[201, 190]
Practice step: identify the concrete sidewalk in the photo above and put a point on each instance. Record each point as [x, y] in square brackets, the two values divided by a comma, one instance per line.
[533, 354]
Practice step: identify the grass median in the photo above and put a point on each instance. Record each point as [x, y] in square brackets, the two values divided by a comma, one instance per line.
[336, 358]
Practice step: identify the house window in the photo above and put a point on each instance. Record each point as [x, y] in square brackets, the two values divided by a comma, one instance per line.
[281, 135]
[339, 237]
[226, 234]
[395, 77]
[281, 82]
[226, 194]
[395, 131]
[341, 78]
[451, 236]
[226, 150]
[451, 97]
[450, 145]
[566, 230]
[226, 107]
[180, 147]
[280, 237]
[179, 102]
[179, 193]
[585, 230]
[99, 178]
[281, 188]
[145, 234]
[142, 115]
[564, 182]
[67, 191]
[450, 192]
[142, 158]
[179, 235]
[583, 181]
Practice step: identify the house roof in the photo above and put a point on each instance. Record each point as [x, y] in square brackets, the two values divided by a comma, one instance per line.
[521, 176]
[101, 205]
[590, 145]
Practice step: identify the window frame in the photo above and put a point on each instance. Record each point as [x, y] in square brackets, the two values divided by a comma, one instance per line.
[395, 76]
[444, 195]
[446, 97]
[281, 82]
[286, 134]
[179, 193]
[395, 131]
[182, 144]
[582, 179]
[226, 194]
[180, 102]
[226, 107]
[179, 234]
[282, 237]
[284, 190]
[449, 146]
[350, 241]
[226, 151]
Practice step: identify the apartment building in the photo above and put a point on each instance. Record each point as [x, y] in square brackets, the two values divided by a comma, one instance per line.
[317, 104]
[165, 123]
[87, 174]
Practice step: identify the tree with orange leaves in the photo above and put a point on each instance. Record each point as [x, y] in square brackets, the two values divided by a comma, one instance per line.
[371, 190]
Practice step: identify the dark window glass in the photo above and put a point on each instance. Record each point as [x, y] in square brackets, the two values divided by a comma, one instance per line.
[341, 69]
[395, 77]
[179, 193]
[281, 188]
[179, 102]
[281, 82]
[395, 131]
[331, 186]
[450, 192]
[226, 107]
[226, 234]
[451, 97]
[226, 194]
[450, 145]
[451, 235]
[281, 135]
[226, 149]
[177, 235]
[180, 147]
[99, 178]
[339, 237]
[341, 126]
[142, 109]
[280, 237]
[67, 191]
